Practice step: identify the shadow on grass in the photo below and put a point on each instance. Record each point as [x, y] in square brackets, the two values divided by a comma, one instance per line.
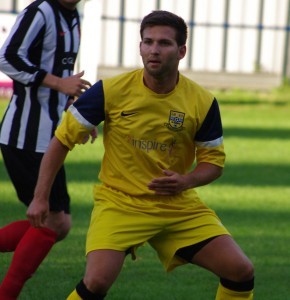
[254, 102]
[257, 133]
[86, 171]
[256, 175]
[234, 174]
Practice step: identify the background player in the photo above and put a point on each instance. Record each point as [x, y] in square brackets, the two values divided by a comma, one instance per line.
[39, 55]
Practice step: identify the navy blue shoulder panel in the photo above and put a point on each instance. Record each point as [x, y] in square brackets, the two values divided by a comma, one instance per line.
[91, 104]
[211, 128]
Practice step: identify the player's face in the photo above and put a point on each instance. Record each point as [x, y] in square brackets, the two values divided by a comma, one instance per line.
[69, 4]
[159, 50]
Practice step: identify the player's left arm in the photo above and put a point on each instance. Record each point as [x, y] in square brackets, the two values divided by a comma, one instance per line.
[210, 158]
[174, 183]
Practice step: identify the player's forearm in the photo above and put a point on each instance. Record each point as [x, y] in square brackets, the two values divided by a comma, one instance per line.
[53, 82]
[52, 161]
[203, 173]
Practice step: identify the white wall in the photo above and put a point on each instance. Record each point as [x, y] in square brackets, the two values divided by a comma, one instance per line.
[101, 33]
[208, 34]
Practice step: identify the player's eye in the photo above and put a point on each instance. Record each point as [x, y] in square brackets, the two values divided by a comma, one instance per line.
[147, 42]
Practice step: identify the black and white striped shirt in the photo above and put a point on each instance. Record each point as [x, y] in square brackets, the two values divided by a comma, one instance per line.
[44, 39]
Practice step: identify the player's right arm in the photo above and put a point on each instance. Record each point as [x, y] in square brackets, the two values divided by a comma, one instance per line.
[53, 159]
[80, 120]
[16, 62]
[14, 54]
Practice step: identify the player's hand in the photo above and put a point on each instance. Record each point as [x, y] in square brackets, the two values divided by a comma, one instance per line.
[37, 213]
[93, 135]
[171, 184]
[74, 85]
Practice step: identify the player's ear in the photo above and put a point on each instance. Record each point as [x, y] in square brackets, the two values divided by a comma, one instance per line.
[182, 51]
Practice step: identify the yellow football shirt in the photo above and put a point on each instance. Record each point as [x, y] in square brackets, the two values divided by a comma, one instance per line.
[145, 132]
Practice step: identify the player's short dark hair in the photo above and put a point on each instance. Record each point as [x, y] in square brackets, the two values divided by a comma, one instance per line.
[166, 18]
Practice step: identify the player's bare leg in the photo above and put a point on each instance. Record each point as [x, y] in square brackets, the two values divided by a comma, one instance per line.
[103, 267]
[225, 258]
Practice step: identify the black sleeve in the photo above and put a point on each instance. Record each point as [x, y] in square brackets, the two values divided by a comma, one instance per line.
[211, 128]
[91, 104]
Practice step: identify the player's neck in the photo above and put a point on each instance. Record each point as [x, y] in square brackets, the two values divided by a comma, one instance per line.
[161, 85]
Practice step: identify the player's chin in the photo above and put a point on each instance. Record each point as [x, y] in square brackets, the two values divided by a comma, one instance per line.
[154, 72]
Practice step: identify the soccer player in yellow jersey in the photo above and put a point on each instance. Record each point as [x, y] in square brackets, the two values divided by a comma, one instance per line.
[157, 124]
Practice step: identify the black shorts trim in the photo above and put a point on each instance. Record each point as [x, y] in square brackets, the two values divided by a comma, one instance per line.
[187, 253]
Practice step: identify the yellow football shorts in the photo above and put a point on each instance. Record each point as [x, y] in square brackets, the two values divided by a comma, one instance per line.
[121, 222]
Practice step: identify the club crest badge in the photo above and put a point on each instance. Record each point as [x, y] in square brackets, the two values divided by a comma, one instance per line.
[176, 120]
